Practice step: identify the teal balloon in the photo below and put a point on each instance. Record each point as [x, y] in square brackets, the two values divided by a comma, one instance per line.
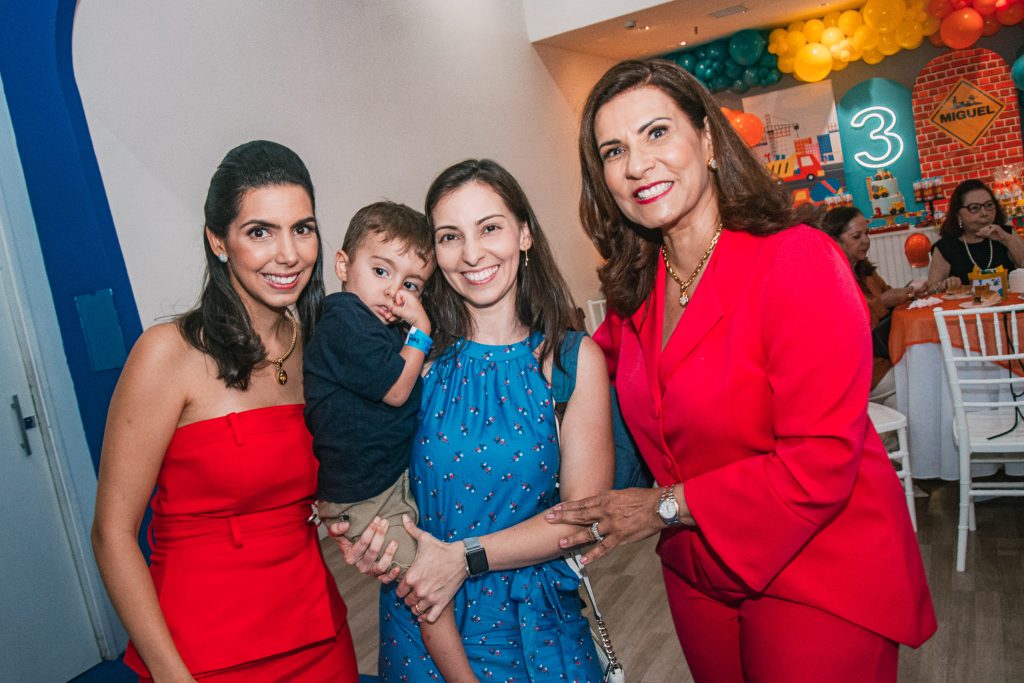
[718, 49]
[733, 70]
[1017, 73]
[739, 86]
[769, 61]
[721, 83]
[751, 76]
[773, 77]
[700, 54]
[746, 47]
[686, 61]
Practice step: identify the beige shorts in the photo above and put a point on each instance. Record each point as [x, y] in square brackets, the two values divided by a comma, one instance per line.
[390, 504]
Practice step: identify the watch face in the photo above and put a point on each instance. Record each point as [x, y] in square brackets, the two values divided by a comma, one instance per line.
[667, 509]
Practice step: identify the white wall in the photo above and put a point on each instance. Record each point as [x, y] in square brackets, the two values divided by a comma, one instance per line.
[377, 98]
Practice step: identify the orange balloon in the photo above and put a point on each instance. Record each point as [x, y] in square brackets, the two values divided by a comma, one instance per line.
[991, 25]
[961, 28]
[1011, 14]
[918, 248]
[936, 39]
[985, 7]
[749, 127]
[939, 8]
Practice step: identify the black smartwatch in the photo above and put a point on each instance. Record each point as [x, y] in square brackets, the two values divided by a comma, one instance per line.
[476, 557]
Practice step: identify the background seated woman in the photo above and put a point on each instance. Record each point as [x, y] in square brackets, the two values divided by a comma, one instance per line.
[974, 234]
[849, 228]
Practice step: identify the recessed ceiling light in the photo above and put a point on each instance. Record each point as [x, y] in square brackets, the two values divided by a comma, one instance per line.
[682, 42]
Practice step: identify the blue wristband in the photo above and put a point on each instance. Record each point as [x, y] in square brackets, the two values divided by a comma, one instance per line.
[418, 339]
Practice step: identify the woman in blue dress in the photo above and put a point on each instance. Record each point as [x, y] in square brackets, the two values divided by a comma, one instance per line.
[487, 461]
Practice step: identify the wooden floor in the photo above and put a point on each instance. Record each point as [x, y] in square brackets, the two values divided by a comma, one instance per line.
[981, 612]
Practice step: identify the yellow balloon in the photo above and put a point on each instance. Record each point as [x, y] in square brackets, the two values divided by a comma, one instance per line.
[855, 53]
[872, 57]
[929, 25]
[813, 30]
[838, 64]
[831, 36]
[850, 21]
[786, 64]
[777, 35]
[830, 19]
[797, 26]
[865, 38]
[909, 34]
[884, 15]
[915, 5]
[795, 40]
[813, 62]
[887, 44]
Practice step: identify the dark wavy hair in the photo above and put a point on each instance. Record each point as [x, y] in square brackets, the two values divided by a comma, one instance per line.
[951, 224]
[393, 221]
[219, 325]
[543, 302]
[748, 198]
[834, 224]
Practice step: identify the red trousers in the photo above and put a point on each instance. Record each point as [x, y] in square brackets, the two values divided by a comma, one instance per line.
[771, 640]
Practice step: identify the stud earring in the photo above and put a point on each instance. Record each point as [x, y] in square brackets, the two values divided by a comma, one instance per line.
[222, 257]
[712, 164]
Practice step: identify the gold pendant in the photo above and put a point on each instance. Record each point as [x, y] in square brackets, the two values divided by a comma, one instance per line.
[282, 376]
[683, 299]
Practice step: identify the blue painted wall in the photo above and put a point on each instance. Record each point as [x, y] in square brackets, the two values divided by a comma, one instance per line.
[76, 232]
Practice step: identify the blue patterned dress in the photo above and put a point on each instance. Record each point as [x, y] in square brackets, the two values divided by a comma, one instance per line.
[485, 459]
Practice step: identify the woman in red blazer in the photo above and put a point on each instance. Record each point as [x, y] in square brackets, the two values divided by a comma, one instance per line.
[740, 350]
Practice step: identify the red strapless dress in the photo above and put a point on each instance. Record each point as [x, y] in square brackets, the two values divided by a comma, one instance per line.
[238, 571]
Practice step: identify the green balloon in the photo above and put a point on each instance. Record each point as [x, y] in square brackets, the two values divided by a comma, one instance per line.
[746, 47]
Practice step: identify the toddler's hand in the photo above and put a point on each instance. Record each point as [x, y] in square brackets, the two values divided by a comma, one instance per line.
[409, 309]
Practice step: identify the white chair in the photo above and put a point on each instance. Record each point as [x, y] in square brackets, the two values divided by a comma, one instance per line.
[885, 419]
[988, 407]
[597, 311]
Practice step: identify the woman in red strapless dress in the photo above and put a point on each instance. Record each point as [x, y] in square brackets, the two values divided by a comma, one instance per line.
[209, 410]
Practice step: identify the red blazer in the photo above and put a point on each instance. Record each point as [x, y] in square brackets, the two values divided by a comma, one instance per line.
[758, 403]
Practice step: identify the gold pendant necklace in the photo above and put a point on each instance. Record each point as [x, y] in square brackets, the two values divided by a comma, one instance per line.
[282, 376]
[684, 285]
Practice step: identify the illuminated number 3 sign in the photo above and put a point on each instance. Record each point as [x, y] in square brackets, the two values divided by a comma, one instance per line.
[884, 120]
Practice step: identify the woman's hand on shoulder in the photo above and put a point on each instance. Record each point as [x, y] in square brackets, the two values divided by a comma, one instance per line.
[622, 516]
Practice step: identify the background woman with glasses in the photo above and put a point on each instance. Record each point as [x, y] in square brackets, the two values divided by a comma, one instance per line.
[974, 234]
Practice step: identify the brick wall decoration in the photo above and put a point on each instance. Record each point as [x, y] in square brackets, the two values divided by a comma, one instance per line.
[946, 156]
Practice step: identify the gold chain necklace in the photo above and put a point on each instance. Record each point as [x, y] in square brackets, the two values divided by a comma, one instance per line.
[685, 284]
[282, 376]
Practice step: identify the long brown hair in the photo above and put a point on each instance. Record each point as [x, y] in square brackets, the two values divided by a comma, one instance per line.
[543, 302]
[748, 198]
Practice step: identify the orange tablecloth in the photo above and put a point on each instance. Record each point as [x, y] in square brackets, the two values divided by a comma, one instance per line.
[917, 326]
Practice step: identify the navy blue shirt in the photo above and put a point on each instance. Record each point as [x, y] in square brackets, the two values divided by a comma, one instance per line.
[351, 362]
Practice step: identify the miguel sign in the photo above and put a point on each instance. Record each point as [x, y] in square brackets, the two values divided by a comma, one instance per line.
[967, 112]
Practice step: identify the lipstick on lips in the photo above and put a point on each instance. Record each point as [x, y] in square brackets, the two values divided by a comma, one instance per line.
[282, 281]
[652, 193]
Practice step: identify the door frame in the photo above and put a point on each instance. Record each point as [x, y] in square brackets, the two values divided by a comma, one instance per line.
[66, 449]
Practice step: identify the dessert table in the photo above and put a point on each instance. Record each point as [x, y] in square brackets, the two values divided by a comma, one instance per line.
[922, 392]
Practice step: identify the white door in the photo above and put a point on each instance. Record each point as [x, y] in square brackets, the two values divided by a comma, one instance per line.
[45, 631]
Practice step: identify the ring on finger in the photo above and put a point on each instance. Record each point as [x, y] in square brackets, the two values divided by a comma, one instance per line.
[595, 534]
[416, 610]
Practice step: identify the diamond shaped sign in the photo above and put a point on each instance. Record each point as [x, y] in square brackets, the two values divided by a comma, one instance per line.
[967, 112]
